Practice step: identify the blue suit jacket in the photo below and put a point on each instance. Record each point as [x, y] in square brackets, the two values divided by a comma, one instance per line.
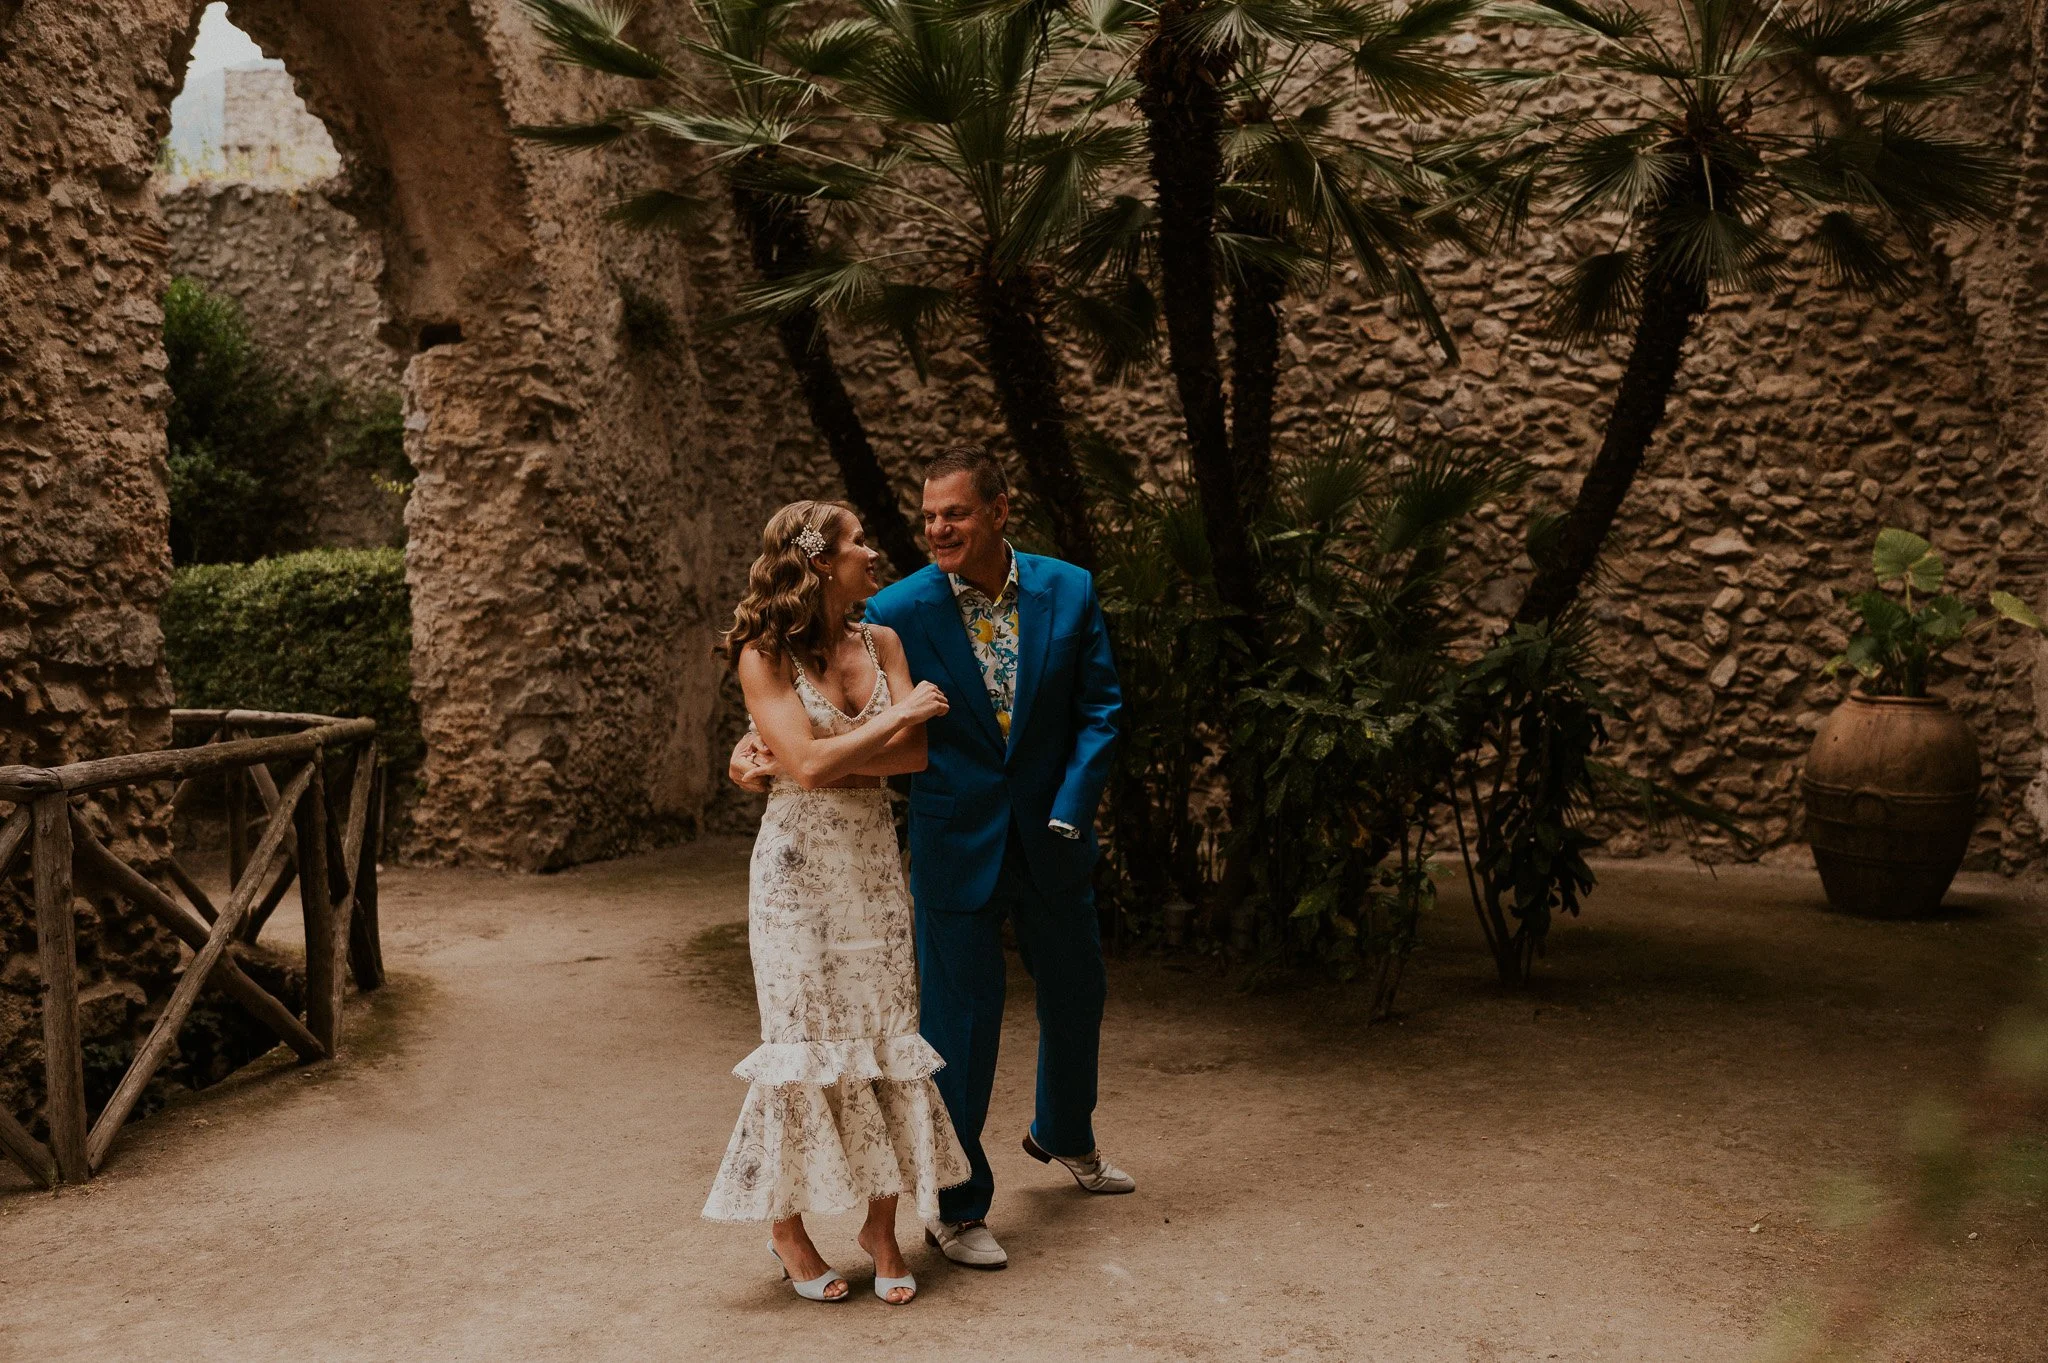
[1062, 732]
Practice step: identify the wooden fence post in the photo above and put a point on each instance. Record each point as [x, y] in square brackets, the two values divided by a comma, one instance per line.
[324, 946]
[57, 950]
[366, 949]
[238, 823]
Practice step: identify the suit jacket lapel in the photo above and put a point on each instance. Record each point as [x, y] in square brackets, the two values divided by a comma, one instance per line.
[1034, 626]
[941, 620]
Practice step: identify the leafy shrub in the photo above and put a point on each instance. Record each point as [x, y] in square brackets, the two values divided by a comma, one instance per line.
[1342, 719]
[327, 631]
[239, 428]
[1304, 780]
[1898, 644]
[245, 434]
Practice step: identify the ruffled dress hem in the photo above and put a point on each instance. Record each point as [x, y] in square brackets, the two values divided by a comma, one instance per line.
[829, 1126]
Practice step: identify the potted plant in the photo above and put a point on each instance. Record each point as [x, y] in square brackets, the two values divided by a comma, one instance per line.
[1891, 784]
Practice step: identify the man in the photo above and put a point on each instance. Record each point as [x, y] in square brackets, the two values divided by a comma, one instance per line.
[1002, 824]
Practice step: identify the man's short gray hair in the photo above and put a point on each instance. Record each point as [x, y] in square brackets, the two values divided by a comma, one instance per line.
[990, 482]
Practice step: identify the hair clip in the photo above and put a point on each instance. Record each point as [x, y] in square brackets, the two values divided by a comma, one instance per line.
[810, 541]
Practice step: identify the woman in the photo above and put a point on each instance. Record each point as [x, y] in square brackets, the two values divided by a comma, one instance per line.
[841, 1106]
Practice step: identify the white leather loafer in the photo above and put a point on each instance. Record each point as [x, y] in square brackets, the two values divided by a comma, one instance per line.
[967, 1243]
[1096, 1175]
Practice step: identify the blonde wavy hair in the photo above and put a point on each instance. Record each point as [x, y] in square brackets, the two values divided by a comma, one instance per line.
[784, 606]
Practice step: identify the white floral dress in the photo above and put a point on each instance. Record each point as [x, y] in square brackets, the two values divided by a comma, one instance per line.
[841, 1107]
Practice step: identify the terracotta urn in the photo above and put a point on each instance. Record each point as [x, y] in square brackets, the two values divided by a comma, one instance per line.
[1891, 798]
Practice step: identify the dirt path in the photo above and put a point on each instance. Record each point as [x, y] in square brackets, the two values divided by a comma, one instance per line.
[1624, 1166]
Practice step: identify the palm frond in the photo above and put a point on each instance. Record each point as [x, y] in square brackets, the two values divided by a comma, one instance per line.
[1616, 21]
[1854, 257]
[1061, 170]
[1903, 169]
[660, 210]
[1397, 62]
[728, 133]
[1710, 247]
[1240, 23]
[908, 311]
[1112, 237]
[587, 35]
[1118, 326]
[1854, 28]
[1440, 487]
[1416, 298]
[1917, 87]
[1630, 170]
[1598, 296]
[831, 51]
[1108, 21]
[1241, 254]
[574, 136]
[834, 285]
[1109, 468]
[1323, 487]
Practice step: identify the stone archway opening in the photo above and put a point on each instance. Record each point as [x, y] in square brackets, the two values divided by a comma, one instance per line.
[248, 182]
[564, 541]
[550, 536]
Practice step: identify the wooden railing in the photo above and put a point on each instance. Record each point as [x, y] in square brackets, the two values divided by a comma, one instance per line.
[334, 862]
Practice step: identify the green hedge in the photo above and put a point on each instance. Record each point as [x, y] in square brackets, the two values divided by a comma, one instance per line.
[328, 631]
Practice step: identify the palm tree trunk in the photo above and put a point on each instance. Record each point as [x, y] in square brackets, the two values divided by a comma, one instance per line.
[1183, 107]
[779, 238]
[1254, 372]
[1026, 373]
[1671, 308]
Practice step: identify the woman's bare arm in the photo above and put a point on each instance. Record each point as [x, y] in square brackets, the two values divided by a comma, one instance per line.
[905, 752]
[810, 761]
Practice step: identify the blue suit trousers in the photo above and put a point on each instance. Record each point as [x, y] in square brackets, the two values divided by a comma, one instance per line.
[963, 976]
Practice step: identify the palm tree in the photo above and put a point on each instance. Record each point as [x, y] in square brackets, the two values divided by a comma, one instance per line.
[1239, 89]
[1730, 129]
[988, 141]
[750, 115]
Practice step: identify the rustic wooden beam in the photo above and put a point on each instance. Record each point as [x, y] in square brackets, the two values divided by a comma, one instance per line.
[238, 826]
[190, 784]
[57, 949]
[365, 944]
[344, 849]
[13, 834]
[165, 1034]
[324, 946]
[255, 719]
[266, 788]
[184, 881]
[25, 1150]
[252, 926]
[167, 764]
[99, 861]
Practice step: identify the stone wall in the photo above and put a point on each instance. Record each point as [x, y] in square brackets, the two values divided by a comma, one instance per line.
[83, 512]
[303, 270]
[1803, 422]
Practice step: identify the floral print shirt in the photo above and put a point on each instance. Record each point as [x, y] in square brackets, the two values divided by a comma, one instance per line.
[992, 634]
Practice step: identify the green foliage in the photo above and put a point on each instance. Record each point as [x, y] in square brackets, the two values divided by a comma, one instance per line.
[328, 631]
[1898, 642]
[245, 434]
[1528, 784]
[1348, 721]
[1717, 143]
[239, 429]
